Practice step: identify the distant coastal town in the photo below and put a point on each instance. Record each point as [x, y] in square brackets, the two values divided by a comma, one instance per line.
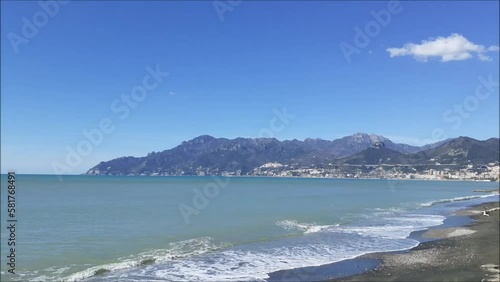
[489, 172]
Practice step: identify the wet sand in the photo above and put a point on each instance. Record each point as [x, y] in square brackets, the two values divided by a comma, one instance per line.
[467, 253]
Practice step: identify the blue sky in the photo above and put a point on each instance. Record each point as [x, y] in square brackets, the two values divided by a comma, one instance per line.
[228, 69]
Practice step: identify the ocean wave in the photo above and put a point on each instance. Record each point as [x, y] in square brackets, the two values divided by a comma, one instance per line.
[384, 211]
[182, 249]
[395, 227]
[255, 264]
[89, 272]
[457, 199]
[203, 259]
[176, 250]
[305, 227]
[391, 209]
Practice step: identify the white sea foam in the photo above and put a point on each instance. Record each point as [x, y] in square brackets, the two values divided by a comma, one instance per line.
[390, 209]
[331, 243]
[305, 227]
[397, 227]
[203, 259]
[240, 265]
[182, 249]
[385, 211]
[334, 243]
[176, 250]
[89, 272]
[43, 278]
[457, 199]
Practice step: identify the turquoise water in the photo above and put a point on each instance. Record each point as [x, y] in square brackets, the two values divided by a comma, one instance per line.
[231, 229]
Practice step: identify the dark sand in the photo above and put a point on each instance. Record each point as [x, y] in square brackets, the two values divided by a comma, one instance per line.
[468, 253]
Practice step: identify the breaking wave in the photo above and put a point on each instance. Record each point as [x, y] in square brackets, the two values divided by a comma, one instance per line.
[305, 227]
[457, 199]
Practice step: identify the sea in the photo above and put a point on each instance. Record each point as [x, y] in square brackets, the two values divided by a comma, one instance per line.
[143, 228]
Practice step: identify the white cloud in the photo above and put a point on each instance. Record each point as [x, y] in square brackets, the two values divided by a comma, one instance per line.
[452, 48]
[483, 57]
[493, 48]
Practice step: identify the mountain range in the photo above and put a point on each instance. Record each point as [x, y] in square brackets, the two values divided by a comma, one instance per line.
[215, 156]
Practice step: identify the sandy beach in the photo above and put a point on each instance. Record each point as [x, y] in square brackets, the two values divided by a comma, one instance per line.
[467, 253]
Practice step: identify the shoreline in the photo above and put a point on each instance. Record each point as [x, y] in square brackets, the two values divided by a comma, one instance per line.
[464, 253]
[453, 251]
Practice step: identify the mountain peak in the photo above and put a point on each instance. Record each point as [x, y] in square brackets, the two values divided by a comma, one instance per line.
[202, 139]
[364, 137]
[359, 134]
